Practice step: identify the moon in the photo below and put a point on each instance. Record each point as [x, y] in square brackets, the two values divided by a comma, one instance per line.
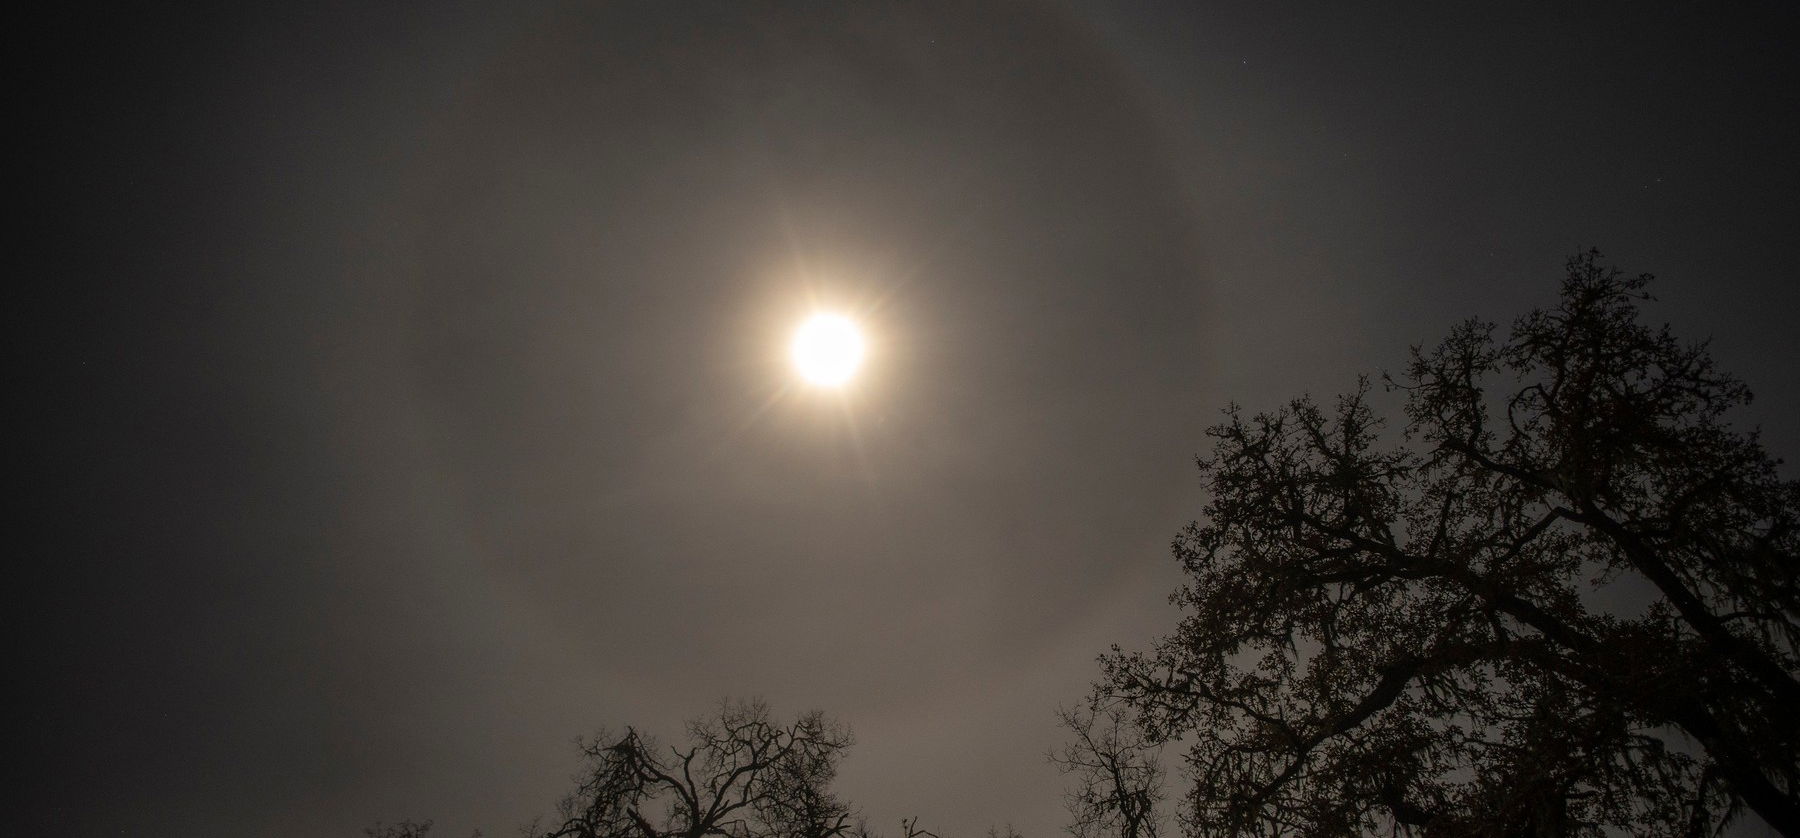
[827, 349]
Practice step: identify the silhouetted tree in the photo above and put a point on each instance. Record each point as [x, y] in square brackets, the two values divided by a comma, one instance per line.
[739, 774]
[405, 829]
[910, 828]
[1562, 602]
[1118, 776]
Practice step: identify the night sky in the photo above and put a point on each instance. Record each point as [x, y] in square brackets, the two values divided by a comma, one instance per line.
[407, 392]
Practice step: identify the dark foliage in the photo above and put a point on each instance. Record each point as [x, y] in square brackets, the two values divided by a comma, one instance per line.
[1562, 602]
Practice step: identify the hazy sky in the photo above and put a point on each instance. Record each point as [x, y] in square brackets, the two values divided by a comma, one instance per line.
[414, 398]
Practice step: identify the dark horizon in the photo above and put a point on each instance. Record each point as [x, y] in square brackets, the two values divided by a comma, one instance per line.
[413, 398]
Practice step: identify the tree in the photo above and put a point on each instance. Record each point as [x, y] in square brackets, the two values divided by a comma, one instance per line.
[1563, 601]
[738, 775]
[1118, 775]
[403, 829]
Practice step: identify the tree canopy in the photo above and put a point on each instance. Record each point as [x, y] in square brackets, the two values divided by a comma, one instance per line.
[1560, 599]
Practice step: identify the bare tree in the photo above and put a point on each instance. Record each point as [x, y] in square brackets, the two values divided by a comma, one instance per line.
[403, 829]
[739, 774]
[1118, 776]
[909, 828]
[1434, 634]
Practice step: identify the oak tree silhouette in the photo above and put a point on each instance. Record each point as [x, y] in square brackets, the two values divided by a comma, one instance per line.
[1562, 600]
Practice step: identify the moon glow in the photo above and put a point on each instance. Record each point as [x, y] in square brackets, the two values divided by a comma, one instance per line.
[827, 350]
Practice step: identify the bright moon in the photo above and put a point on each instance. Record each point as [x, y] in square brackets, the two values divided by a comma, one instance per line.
[827, 349]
